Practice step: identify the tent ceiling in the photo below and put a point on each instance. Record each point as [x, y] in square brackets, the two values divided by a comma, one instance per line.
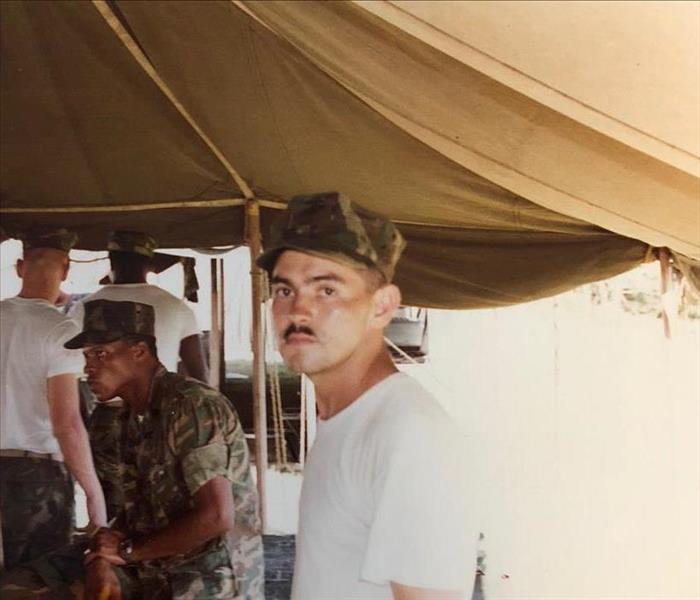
[502, 198]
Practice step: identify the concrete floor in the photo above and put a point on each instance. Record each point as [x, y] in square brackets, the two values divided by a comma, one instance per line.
[279, 566]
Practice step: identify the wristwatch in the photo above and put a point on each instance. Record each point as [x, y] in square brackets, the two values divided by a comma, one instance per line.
[126, 550]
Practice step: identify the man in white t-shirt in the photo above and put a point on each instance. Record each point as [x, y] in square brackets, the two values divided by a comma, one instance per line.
[42, 437]
[177, 334]
[384, 511]
[177, 337]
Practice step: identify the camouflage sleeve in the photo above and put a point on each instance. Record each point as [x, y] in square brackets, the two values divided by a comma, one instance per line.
[200, 435]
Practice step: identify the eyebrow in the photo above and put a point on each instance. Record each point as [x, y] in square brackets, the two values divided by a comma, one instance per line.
[316, 279]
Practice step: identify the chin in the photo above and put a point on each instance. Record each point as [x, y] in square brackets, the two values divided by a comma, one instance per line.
[299, 363]
[101, 395]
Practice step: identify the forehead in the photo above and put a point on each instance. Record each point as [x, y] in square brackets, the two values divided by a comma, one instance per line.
[294, 265]
[89, 346]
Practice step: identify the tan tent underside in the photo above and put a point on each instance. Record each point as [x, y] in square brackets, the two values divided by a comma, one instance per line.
[502, 198]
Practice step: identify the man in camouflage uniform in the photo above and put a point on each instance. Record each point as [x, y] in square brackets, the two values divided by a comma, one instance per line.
[132, 256]
[188, 528]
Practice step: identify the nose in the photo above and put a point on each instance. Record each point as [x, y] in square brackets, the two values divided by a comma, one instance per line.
[300, 309]
[89, 368]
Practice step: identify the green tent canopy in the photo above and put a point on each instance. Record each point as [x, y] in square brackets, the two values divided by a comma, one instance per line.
[523, 148]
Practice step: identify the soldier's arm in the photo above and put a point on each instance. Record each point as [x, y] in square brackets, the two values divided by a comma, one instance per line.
[192, 355]
[68, 427]
[211, 516]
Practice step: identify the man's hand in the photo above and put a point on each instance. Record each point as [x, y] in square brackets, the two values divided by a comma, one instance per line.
[104, 546]
[101, 582]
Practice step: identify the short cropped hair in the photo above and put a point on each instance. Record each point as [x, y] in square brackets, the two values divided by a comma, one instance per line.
[374, 279]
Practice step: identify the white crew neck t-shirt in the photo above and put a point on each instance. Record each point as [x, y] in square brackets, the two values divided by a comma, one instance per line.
[174, 319]
[384, 499]
[32, 334]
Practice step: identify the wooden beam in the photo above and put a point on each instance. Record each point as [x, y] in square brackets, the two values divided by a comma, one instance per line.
[215, 347]
[258, 374]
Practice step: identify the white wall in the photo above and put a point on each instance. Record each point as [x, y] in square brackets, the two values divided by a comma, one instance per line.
[583, 422]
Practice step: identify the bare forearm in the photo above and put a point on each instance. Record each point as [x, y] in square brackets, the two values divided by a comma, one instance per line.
[75, 447]
[192, 355]
[181, 536]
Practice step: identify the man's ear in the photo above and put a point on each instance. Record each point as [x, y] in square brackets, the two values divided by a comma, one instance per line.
[385, 302]
[139, 351]
[66, 267]
[19, 267]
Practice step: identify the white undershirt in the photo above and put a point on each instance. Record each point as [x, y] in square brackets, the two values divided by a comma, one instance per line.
[32, 334]
[384, 499]
[174, 320]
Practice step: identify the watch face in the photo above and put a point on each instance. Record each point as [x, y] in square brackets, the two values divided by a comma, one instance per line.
[125, 549]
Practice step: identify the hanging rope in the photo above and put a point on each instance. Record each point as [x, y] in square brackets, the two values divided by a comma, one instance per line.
[281, 453]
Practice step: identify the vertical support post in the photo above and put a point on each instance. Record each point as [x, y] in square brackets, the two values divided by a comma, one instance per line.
[258, 375]
[222, 324]
[215, 332]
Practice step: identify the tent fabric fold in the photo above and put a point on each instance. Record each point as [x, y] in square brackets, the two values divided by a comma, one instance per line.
[502, 198]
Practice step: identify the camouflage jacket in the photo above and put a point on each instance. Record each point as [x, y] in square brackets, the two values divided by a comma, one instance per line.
[189, 434]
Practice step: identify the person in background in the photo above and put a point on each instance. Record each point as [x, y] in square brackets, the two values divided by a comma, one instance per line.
[384, 511]
[131, 255]
[42, 437]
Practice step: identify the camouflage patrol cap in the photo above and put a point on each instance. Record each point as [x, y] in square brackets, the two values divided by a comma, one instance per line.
[108, 321]
[331, 226]
[136, 242]
[58, 239]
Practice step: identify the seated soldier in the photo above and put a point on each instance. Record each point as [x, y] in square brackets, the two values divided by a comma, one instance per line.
[189, 527]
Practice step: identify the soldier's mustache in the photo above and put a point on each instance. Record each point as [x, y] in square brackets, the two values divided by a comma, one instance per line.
[297, 329]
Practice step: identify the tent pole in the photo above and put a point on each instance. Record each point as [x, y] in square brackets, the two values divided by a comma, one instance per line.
[215, 331]
[222, 324]
[258, 375]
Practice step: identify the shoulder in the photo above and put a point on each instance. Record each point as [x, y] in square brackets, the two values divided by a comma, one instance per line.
[164, 300]
[49, 319]
[409, 414]
[177, 392]
[405, 400]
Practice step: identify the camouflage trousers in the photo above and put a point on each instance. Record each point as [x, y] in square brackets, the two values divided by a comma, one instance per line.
[37, 503]
[59, 575]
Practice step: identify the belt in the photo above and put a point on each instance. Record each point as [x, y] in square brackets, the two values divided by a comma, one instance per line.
[29, 454]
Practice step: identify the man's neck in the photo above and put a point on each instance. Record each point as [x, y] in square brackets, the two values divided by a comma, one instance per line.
[39, 292]
[137, 394]
[338, 388]
[121, 280]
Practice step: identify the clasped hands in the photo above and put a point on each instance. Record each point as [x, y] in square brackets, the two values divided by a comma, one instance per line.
[105, 545]
[101, 582]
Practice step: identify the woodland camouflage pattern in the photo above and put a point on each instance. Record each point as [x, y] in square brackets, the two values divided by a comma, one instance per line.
[189, 435]
[330, 225]
[106, 321]
[37, 505]
[104, 429]
[132, 241]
